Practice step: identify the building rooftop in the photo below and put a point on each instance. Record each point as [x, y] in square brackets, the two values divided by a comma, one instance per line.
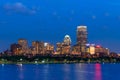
[82, 27]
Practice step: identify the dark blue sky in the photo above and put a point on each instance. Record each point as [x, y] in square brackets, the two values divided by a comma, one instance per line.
[50, 20]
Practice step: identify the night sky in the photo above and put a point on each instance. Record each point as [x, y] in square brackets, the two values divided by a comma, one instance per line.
[51, 20]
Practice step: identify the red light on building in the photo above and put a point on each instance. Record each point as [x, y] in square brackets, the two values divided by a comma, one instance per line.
[98, 46]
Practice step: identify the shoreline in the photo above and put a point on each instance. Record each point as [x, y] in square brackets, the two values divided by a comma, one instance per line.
[47, 59]
[61, 63]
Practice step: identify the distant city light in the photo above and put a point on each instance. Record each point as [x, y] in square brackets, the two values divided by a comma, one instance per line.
[45, 44]
[87, 45]
[98, 46]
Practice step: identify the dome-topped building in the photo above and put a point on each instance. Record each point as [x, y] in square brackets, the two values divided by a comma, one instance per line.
[67, 40]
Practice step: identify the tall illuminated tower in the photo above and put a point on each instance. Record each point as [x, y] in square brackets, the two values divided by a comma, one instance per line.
[67, 40]
[82, 37]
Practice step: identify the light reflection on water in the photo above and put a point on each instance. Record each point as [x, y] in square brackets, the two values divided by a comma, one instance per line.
[98, 73]
[59, 72]
[20, 69]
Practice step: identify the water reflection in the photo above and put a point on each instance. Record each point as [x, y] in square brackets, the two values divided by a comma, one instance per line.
[56, 72]
[80, 71]
[37, 72]
[98, 73]
[67, 72]
[46, 71]
[3, 65]
[21, 75]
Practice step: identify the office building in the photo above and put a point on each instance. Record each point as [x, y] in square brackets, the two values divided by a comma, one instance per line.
[38, 47]
[24, 44]
[48, 48]
[16, 49]
[67, 40]
[82, 38]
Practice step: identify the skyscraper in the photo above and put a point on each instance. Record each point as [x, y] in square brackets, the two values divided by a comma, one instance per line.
[82, 37]
[67, 40]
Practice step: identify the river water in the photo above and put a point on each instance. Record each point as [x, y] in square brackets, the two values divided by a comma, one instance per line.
[60, 72]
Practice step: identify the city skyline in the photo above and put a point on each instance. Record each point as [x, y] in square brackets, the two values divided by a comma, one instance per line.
[82, 47]
[33, 21]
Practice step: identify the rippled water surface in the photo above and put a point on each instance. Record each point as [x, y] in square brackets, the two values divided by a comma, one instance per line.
[60, 72]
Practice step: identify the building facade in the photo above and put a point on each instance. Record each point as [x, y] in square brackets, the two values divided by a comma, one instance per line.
[99, 49]
[67, 40]
[38, 47]
[24, 44]
[48, 48]
[16, 49]
[62, 48]
[82, 38]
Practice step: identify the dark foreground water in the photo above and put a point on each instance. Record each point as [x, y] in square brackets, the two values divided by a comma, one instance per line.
[60, 72]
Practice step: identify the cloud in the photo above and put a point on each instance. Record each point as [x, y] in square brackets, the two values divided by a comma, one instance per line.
[18, 7]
